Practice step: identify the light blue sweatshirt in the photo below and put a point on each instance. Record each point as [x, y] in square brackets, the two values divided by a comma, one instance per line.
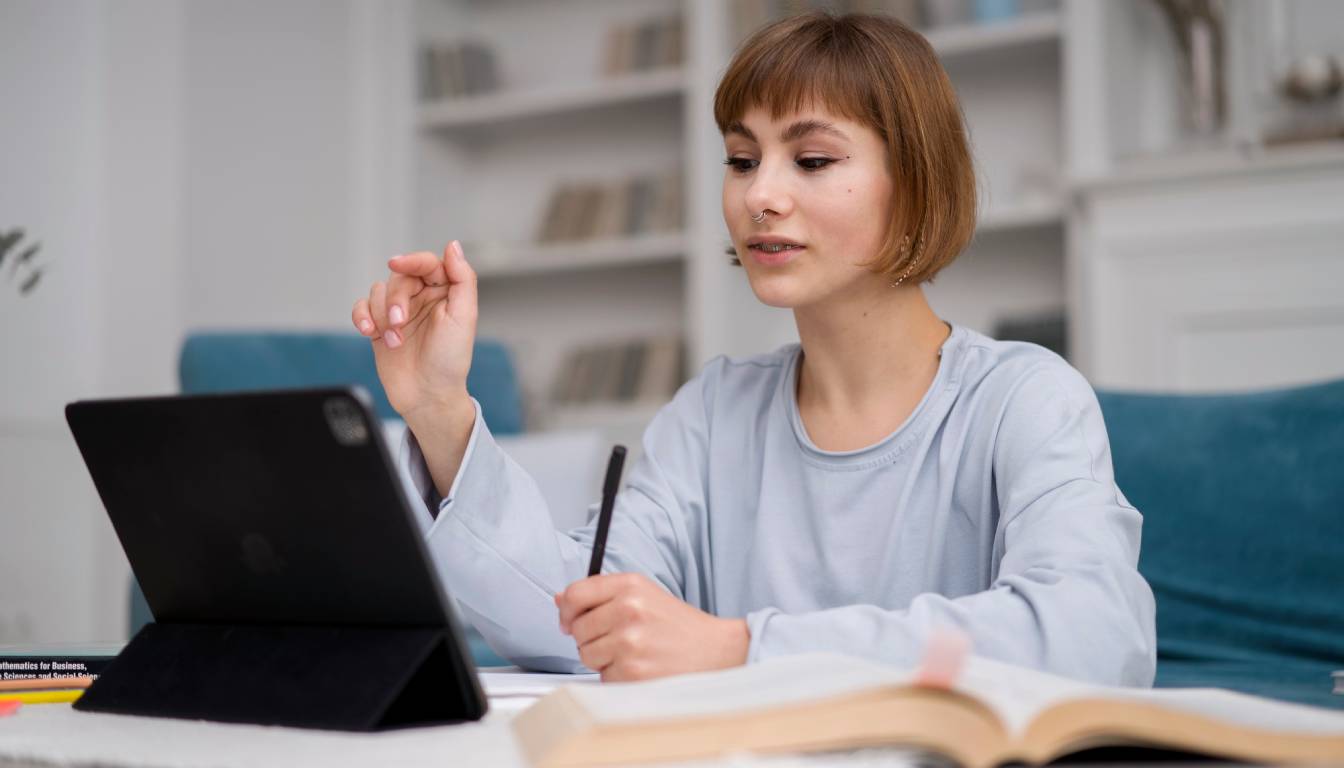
[993, 509]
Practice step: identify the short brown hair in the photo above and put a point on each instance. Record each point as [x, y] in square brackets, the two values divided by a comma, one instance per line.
[880, 73]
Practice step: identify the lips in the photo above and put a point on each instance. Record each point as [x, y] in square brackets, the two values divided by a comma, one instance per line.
[774, 257]
[772, 251]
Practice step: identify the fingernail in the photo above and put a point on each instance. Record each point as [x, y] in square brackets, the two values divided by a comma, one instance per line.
[457, 245]
[944, 657]
[392, 339]
[393, 258]
[365, 326]
[396, 315]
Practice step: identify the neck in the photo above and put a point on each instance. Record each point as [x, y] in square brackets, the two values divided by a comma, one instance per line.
[860, 355]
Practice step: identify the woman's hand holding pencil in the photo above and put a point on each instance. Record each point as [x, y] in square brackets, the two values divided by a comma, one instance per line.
[629, 628]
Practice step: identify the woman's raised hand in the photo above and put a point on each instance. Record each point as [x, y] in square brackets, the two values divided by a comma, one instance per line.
[422, 322]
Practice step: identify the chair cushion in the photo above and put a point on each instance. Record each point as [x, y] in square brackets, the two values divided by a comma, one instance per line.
[233, 361]
[1243, 536]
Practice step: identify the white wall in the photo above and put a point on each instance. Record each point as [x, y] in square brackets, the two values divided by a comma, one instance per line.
[185, 164]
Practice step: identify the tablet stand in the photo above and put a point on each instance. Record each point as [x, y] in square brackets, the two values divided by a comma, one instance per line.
[336, 678]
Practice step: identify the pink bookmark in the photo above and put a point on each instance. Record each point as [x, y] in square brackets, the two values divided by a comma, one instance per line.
[9, 707]
[944, 658]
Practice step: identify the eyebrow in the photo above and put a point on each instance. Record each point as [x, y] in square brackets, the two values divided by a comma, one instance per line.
[793, 133]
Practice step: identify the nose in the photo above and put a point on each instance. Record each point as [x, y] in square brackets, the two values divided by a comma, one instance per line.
[769, 190]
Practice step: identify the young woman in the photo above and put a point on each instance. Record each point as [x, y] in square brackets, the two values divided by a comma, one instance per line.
[890, 476]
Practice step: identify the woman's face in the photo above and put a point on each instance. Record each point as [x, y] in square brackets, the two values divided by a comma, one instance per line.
[824, 185]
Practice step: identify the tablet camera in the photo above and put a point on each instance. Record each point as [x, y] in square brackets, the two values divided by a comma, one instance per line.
[346, 422]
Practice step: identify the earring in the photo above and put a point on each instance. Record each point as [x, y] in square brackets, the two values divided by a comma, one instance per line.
[905, 247]
[759, 219]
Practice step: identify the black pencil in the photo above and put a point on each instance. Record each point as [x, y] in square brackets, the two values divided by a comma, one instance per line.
[609, 486]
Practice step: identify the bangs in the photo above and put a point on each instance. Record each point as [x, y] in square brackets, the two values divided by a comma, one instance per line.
[817, 72]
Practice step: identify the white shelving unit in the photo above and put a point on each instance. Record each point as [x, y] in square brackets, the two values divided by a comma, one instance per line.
[486, 112]
[480, 169]
[499, 262]
[1200, 263]
[1042, 28]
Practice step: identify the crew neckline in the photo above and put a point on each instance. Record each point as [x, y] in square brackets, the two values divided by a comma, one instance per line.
[894, 443]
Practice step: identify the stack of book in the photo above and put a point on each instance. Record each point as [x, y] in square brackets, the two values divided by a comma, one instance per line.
[643, 370]
[463, 68]
[588, 210]
[57, 690]
[49, 674]
[644, 45]
[54, 660]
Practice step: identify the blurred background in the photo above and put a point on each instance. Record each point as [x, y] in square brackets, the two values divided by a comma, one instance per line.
[1162, 202]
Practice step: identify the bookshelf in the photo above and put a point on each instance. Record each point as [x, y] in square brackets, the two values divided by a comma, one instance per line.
[480, 168]
[971, 39]
[486, 112]
[498, 263]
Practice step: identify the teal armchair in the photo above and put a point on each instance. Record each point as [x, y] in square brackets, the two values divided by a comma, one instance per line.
[1242, 498]
[237, 361]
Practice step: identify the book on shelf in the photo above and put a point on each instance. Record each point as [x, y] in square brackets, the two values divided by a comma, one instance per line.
[925, 15]
[642, 370]
[591, 210]
[749, 15]
[992, 714]
[43, 662]
[462, 68]
[643, 45]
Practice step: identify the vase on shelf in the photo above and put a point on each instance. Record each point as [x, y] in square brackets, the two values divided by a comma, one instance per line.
[1199, 29]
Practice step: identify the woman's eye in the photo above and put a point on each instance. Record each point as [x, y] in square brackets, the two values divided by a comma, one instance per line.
[810, 164]
[740, 164]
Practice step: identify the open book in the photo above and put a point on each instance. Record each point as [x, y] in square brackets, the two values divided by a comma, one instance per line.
[995, 713]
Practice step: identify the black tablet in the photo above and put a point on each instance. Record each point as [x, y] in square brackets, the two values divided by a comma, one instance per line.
[277, 519]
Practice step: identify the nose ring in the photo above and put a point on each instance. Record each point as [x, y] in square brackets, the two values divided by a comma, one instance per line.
[759, 219]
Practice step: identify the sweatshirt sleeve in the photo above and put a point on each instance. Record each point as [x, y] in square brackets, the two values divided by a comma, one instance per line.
[496, 549]
[1066, 595]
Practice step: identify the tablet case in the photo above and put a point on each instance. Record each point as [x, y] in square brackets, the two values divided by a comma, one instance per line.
[278, 551]
[334, 678]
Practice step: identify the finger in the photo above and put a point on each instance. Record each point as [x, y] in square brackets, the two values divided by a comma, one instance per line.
[360, 317]
[422, 265]
[618, 656]
[596, 622]
[621, 670]
[583, 595]
[462, 283]
[598, 654]
[944, 657]
[400, 290]
[378, 310]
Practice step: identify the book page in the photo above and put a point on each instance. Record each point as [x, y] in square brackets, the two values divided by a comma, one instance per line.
[767, 684]
[1017, 694]
[1239, 709]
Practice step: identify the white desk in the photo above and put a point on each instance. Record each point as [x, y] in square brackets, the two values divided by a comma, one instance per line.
[57, 735]
[48, 735]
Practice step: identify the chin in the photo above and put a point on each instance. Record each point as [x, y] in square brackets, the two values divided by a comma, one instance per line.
[779, 291]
